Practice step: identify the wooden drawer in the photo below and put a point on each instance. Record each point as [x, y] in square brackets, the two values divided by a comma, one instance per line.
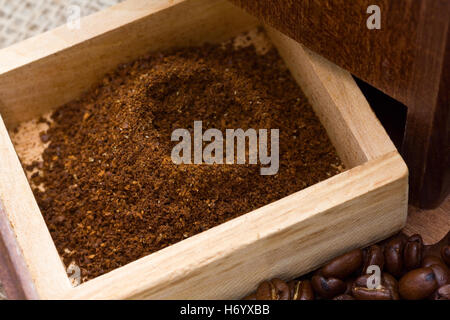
[294, 235]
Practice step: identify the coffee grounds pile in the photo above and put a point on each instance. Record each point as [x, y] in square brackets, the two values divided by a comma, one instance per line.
[112, 193]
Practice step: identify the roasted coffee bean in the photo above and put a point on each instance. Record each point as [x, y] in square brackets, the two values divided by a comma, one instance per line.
[445, 253]
[361, 293]
[361, 281]
[386, 291]
[349, 284]
[441, 272]
[440, 269]
[344, 297]
[281, 288]
[301, 290]
[443, 293]
[344, 265]
[430, 260]
[417, 284]
[430, 281]
[393, 256]
[374, 256]
[328, 288]
[275, 289]
[266, 291]
[391, 284]
[412, 252]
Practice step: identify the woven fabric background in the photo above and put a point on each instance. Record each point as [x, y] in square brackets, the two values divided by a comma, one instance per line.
[22, 19]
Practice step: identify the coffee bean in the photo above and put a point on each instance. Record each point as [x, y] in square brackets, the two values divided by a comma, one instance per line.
[361, 281]
[282, 289]
[265, 291]
[441, 272]
[445, 253]
[328, 288]
[393, 256]
[429, 280]
[349, 285]
[391, 284]
[373, 256]
[417, 284]
[275, 289]
[344, 297]
[386, 291]
[361, 293]
[301, 290]
[430, 260]
[412, 252]
[440, 269]
[443, 293]
[344, 265]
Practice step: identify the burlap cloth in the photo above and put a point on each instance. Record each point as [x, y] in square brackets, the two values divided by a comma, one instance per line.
[21, 19]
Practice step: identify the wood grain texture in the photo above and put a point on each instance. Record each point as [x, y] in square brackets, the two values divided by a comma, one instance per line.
[407, 59]
[14, 275]
[291, 236]
[336, 29]
[30, 231]
[432, 224]
[426, 146]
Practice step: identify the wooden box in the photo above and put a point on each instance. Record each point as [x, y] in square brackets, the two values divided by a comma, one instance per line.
[294, 235]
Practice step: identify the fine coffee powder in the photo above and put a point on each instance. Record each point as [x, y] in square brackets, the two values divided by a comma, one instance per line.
[107, 186]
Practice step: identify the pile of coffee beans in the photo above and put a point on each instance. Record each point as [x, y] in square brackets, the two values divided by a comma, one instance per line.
[409, 270]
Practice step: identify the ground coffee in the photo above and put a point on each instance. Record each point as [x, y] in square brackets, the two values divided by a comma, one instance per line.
[109, 191]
